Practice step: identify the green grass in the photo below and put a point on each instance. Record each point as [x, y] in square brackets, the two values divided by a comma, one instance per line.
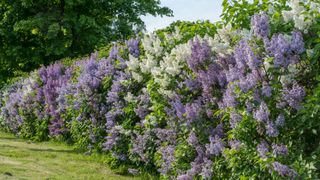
[21, 159]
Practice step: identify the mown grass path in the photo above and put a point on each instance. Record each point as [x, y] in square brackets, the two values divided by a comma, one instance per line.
[21, 159]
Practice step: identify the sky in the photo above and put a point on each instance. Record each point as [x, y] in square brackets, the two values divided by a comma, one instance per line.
[187, 10]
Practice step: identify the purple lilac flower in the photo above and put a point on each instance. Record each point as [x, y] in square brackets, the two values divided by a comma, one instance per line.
[166, 135]
[252, 60]
[245, 57]
[114, 53]
[294, 96]
[179, 107]
[54, 77]
[297, 44]
[140, 145]
[248, 82]
[218, 131]
[228, 99]
[284, 170]
[168, 158]
[213, 75]
[256, 96]
[216, 146]
[249, 106]
[234, 119]
[193, 140]
[226, 61]
[110, 119]
[240, 54]
[206, 172]
[133, 46]
[234, 74]
[235, 144]
[196, 165]
[262, 114]
[193, 110]
[192, 84]
[111, 140]
[142, 111]
[260, 25]
[209, 113]
[201, 52]
[279, 47]
[279, 149]
[280, 120]
[266, 90]
[113, 95]
[184, 177]
[271, 129]
[263, 149]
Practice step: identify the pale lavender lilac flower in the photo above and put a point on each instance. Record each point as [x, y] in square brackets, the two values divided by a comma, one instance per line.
[280, 120]
[260, 25]
[263, 113]
[294, 96]
[263, 149]
[279, 149]
[284, 170]
[271, 129]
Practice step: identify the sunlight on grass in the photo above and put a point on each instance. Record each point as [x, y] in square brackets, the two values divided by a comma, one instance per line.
[20, 159]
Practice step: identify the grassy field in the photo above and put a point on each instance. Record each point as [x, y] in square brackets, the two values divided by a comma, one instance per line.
[21, 159]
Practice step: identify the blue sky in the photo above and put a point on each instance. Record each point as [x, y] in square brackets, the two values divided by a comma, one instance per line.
[188, 10]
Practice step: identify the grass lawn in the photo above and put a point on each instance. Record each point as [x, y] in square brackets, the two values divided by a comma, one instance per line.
[21, 159]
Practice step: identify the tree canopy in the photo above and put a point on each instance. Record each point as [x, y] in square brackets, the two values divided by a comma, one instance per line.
[36, 32]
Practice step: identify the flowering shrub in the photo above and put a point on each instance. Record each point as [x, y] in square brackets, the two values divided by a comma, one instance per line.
[240, 103]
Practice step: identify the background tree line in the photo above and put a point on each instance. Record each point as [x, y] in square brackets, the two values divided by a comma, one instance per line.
[38, 32]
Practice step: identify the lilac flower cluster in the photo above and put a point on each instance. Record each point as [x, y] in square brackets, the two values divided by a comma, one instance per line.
[201, 54]
[133, 47]
[294, 96]
[260, 25]
[168, 158]
[285, 51]
[263, 149]
[54, 78]
[284, 170]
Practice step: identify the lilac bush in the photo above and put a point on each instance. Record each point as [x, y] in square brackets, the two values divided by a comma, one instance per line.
[217, 106]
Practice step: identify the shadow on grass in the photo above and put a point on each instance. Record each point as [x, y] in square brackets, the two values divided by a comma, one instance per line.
[9, 138]
[52, 150]
[39, 149]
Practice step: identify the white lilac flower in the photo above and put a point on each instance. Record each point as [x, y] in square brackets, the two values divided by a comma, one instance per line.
[220, 44]
[137, 76]
[152, 44]
[147, 64]
[287, 15]
[133, 63]
[130, 97]
[156, 72]
[170, 65]
[286, 79]
[301, 16]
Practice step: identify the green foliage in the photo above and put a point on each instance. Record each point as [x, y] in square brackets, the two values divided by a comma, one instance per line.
[33, 33]
[238, 13]
[189, 29]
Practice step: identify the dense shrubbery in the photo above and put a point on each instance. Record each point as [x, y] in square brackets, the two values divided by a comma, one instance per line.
[237, 103]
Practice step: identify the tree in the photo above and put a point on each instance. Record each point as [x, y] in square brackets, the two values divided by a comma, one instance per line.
[36, 32]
